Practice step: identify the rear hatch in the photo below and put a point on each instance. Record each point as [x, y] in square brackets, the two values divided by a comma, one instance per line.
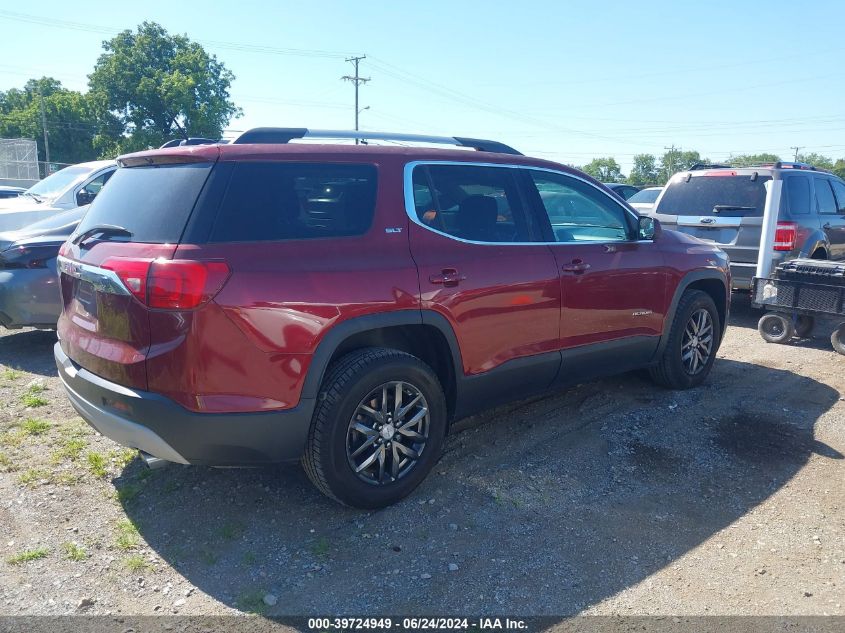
[117, 260]
[721, 206]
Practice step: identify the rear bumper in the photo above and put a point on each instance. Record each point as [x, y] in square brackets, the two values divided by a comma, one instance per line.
[164, 429]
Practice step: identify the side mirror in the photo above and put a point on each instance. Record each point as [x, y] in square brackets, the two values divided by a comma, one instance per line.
[84, 197]
[649, 228]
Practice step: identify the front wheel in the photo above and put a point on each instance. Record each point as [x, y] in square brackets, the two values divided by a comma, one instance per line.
[378, 428]
[693, 340]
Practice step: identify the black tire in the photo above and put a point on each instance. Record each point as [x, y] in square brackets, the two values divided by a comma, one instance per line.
[671, 370]
[804, 325]
[837, 339]
[776, 328]
[346, 384]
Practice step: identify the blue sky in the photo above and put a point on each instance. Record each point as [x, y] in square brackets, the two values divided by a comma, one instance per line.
[562, 80]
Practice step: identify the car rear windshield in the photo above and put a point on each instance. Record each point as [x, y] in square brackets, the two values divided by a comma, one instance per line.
[646, 196]
[732, 196]
[153, 203]
[282, 201]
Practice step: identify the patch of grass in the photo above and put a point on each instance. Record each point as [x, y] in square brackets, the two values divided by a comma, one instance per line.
[252, 602]
[128, 492]
[208, 557]
[321, 548]
[6, 463]
[231, 531]
[28, 555]
[249, 558]
[97, 464]
[11, 374]
[69, 450]
[10, 439]
[32, 476]
[171, 486]
[123, 457]
[74, 552]
[32, 426]
[66, 479]
[127, 535]
[135, 562]
[31, 399]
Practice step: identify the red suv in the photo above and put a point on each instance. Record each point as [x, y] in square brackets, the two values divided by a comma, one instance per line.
[265, 301]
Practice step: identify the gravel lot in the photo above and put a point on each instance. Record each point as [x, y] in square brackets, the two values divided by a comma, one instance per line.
[614, 497]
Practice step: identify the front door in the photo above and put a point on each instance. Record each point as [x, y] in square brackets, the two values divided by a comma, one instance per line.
[613, 285]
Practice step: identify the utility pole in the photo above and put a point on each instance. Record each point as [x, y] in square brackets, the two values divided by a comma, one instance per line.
[672, 151]
[356, 80]
[796, 152]
[46, 135]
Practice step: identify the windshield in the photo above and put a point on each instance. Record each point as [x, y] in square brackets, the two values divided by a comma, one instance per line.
[55, 184]
[646, 195]
[731, 196]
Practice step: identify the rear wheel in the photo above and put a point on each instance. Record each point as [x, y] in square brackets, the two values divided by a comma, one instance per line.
[837, 339]
[378, 428]
[775, 328]
[692, 343]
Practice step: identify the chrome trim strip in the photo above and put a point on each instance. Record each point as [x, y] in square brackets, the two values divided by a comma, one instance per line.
[709, 221]
[411, 211]
[102, 279]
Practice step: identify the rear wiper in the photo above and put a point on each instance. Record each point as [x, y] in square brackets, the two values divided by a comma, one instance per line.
[731, 207]
[103, 230]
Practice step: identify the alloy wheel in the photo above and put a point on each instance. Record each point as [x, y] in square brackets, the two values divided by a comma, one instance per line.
[697, 343]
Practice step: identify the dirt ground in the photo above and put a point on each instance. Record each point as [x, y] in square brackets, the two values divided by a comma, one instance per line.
[614, 497]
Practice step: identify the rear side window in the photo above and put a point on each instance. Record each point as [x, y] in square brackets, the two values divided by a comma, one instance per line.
[282, 201]
[798, 195]
[732, 196]
[839, 190]
[824, 196]
[152, 202]
[475, 203]
[646, 196]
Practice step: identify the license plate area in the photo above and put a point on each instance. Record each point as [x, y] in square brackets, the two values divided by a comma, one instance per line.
[717, 235]
[85, 298]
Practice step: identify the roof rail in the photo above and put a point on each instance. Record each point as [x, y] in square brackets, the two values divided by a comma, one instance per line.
[267, 135]
[785, 164]
[178, 142]
[698, 166]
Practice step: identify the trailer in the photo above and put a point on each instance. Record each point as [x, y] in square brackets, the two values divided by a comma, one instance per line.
[800, 291]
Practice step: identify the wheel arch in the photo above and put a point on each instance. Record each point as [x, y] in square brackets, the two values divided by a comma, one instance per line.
[709, 281]
[421, 333]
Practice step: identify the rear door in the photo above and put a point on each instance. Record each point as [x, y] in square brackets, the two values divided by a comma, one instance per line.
[471, 240]
[721, 206]
[139, 217]
[830, 202]
[613, 285]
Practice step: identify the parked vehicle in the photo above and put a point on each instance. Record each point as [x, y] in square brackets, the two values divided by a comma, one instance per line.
[724, 206]
[262, 301]
[643, 201]
[10, 192]
[68, 188]
[29, 284]
[622, 190]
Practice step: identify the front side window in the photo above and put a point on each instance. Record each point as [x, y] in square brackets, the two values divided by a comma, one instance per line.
[476, 203]
[281, 201]
[824, 196]
[579, 212]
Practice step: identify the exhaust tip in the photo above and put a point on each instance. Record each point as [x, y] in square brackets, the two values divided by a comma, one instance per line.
[152, 461]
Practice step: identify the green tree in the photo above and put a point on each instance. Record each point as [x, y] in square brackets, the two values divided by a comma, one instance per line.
[71, 121]
[644, 170]
[159, 86]
[677, 160]
[817, 160]
[839, 168]
[744, 160]
[604, 170]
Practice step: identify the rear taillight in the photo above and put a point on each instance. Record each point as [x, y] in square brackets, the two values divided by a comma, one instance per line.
[177, 284]
[64, 248]
[786, 236]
